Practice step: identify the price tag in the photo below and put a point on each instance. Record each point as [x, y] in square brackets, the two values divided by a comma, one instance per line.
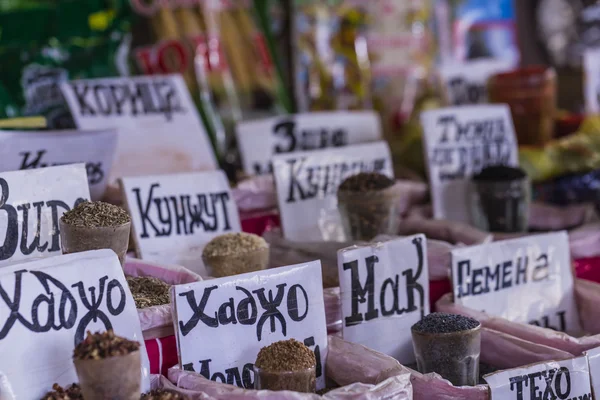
[222, 324]
[159, 128]
[48, 305]
[523, 280]
[593, 357]
[260, 140]
[21, 150]
[385, 289]
[307, 185]
[31, 203]
[460, 142]
[567, 379]
[175, 216]
[466, 83]
[591, 65]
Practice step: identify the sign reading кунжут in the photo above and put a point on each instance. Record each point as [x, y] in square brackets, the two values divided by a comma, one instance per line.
[459, 143]
[31, 204]
[385, 289]
[20, 150]
[260, 140]
[221, 324]
[159, 128]
[528, 280]
[46, 308]
[174, 216]
[559, 380]
[307, 184]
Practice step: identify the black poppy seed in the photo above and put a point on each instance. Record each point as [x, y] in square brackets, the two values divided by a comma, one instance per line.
[445, 323]
[502, 173]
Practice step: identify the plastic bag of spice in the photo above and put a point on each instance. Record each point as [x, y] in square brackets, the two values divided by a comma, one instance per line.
[353, 367]
[156, 321]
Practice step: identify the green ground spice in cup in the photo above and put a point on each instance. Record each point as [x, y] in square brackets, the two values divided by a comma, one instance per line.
[102, 345]
[96, 214]
[148, 291]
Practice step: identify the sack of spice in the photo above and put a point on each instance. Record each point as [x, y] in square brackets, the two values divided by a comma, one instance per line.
[151, 284]
[355, 368]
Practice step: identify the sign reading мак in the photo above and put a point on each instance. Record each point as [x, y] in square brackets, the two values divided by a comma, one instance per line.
[46, 308]
[176, 215]
[222, 324]
[31, 203]
[21, 150]
[307, 184]
[159, 127]
[459, 143]
[260, 140]
[564, 380]
[466, 83]
[385, 289]
[523, 280]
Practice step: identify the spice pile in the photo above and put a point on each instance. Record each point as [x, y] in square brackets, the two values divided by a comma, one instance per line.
[148, 291]
[74, 393]
[235, 253]
[367, 206]
[445, 323]
[96, 214]
[286, 365]
[102, 345]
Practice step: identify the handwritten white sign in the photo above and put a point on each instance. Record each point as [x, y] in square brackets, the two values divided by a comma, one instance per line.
[223, 323]
[523, 280]
[307, 184]
[466, 83]
[31, 203]
[46, 307]
[175, 216]
[593, 357]
[591, 89]
[566, 379]
[21, 150]
[385, 289]
[159, 127]
[260, 140]
[459, 143]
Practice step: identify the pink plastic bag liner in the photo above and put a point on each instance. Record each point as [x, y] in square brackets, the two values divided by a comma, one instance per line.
[156, 321]
[587, 295]
[356, 368]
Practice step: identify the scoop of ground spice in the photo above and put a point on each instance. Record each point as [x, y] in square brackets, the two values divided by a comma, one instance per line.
[233, 243]
[148, 291]
[59, 393]
[365, 182]
[102, 345]
[445, 323]
[96, 214]
[285, 355]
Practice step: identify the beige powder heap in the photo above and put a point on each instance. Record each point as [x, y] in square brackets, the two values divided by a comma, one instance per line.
[234, 243]
[285, 355]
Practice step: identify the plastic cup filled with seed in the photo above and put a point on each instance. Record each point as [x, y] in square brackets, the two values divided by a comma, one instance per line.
[235, 253]
[368, 205]
[148, 291]
[95, 225]
[286, 365]
[449, 345]
[108, 367]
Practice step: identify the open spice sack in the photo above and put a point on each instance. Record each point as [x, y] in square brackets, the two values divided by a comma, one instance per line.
[149, 284]
[355, 368]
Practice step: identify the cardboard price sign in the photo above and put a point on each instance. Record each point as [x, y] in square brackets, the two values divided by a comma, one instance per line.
[159, 128]
[46, 308]
[31, 204]
[466, 83]
[459, 143]
[385, 289]
[174, 216]
[593, 357]
[591, 65]
[20, 150]
[524, 280]
[307, 184]
[565, 380]
[221, 324]
[260, 140]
